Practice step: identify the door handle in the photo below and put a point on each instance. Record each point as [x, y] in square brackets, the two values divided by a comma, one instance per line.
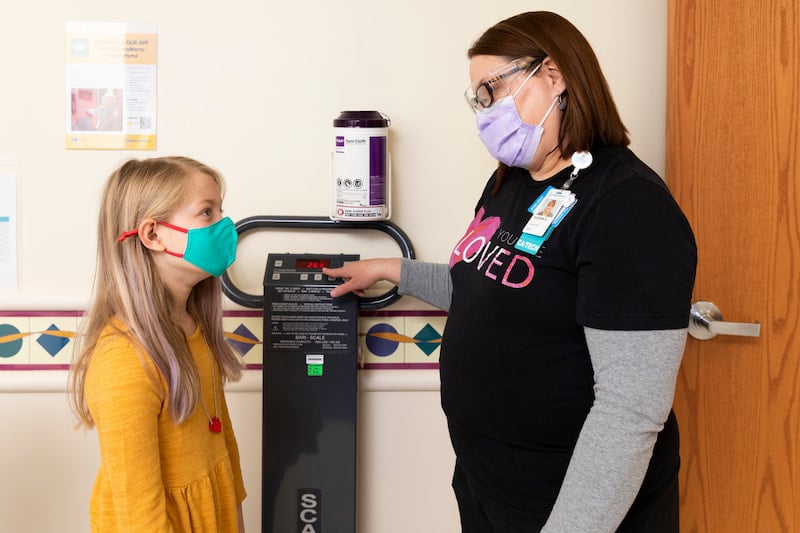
[705, 322]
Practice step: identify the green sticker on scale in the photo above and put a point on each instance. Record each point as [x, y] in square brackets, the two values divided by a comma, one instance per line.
[314, 370]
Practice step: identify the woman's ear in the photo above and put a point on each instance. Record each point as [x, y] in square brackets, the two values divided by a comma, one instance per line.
[553, 76]
[148, 234]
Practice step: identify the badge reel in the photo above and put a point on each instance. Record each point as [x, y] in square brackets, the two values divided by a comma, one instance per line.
[550, 208]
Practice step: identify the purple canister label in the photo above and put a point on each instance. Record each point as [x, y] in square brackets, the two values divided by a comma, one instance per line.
[377, 170]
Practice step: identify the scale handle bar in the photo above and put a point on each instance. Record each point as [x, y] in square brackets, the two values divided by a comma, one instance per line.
[256, 301]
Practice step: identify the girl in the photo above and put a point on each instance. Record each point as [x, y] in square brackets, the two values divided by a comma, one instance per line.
[151, 362]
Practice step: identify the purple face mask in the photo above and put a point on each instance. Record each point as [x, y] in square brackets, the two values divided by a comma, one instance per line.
[510, 140]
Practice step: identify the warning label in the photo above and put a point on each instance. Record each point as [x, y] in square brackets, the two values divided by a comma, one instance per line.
[306, 317]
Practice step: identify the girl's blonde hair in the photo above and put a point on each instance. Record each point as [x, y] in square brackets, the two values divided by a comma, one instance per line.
[127, 287]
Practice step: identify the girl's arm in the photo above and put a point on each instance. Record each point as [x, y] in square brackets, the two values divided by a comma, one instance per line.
[125, 403]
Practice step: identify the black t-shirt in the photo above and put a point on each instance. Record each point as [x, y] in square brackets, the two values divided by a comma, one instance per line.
[514, 363]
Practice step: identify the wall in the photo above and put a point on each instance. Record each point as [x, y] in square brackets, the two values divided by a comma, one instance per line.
[251, 88]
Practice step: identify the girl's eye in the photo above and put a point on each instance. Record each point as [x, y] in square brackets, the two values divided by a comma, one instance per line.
[207, 211]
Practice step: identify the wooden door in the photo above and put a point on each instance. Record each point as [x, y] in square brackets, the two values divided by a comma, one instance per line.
[733, 158]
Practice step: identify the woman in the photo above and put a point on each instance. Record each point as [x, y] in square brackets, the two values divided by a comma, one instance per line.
[564, 336]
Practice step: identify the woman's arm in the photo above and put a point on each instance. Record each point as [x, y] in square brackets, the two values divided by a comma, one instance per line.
[358, 276]
[430, 282]
[635, 374]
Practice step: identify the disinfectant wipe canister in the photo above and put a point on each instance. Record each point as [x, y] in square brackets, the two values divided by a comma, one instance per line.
[360, 166]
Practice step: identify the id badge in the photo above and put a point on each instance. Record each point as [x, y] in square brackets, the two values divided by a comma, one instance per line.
[547, 211]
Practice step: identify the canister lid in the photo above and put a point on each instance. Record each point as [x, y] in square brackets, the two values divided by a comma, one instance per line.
[360, 119]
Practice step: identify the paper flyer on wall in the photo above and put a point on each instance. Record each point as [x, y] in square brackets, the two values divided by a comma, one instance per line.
[111, 86]
[8, 231]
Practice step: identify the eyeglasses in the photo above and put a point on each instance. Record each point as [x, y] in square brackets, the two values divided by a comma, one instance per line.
[483, 96]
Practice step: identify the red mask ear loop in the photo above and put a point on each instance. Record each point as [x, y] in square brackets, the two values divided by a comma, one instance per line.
[126, 234]
[131, 233]
[176, 228]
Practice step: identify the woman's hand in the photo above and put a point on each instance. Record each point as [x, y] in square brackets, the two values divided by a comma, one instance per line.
[360, 275]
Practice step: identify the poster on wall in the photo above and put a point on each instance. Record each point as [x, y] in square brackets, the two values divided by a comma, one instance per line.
[110, 86]
[8, 231]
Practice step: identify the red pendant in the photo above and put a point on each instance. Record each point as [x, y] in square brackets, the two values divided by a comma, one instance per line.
[215, 425]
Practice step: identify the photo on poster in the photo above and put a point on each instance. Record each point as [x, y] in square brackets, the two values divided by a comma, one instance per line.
[96, 109]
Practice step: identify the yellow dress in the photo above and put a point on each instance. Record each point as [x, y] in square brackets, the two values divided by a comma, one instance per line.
[155, 475]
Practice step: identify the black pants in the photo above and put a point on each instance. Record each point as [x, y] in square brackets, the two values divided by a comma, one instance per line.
[482, 513]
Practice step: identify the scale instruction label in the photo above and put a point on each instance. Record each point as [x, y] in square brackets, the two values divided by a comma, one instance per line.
[306, 317]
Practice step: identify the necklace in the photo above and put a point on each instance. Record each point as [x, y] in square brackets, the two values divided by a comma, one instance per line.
[214, 423]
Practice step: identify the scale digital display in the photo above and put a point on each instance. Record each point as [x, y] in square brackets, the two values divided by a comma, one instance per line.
[313, 263]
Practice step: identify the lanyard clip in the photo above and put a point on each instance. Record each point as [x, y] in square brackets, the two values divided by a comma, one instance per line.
[580, 160]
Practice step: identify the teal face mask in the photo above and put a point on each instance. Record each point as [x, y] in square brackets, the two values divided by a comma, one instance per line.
[212, 248]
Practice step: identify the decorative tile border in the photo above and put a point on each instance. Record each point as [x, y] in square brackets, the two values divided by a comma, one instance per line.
[40, 340]
[37, 340]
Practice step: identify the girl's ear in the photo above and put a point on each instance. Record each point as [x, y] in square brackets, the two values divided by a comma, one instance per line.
[148, 234]
[553, 76]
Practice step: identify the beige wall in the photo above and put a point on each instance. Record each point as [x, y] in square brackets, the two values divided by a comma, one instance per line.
[251, 87]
